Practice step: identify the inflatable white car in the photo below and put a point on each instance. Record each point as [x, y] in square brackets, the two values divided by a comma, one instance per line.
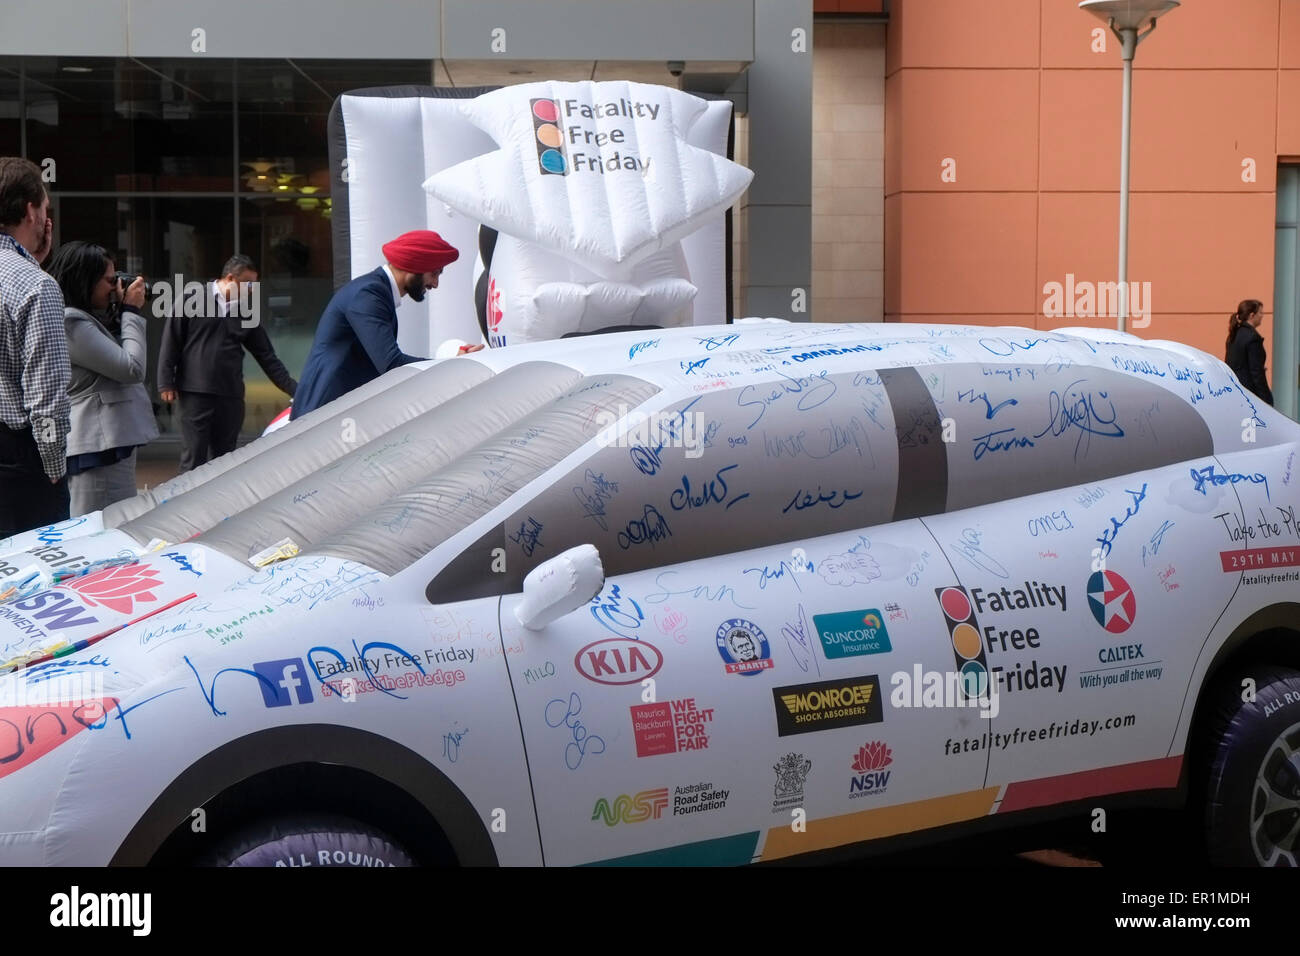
[859, 582]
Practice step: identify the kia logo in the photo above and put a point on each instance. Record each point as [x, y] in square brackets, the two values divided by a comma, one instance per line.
[618, 660]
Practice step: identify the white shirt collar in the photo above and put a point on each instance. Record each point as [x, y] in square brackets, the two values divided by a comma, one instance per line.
[392, 282]
[214, 292]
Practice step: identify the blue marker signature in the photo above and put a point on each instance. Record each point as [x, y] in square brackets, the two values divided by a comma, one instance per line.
[1108, 536]
[1207, 476]
[451, 744]
[583, 742]
[796, 638]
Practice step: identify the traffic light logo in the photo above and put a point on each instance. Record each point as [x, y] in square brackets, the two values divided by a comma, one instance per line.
[550, 140]
[967, 647]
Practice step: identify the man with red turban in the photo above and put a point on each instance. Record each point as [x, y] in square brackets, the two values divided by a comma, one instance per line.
[356, 340]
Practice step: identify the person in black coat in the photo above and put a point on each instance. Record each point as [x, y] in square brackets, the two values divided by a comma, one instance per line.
[1245, 348]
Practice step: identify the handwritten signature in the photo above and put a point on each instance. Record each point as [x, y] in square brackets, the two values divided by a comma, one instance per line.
[1108, 535]
[970, 548]
[583, 741]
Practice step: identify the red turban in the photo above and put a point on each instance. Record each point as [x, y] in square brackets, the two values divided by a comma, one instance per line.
[420, 251]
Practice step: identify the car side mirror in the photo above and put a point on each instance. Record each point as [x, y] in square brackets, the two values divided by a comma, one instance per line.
[563, 584]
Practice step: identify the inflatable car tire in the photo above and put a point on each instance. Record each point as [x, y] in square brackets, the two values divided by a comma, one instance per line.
[1252, 806]
[310, 841]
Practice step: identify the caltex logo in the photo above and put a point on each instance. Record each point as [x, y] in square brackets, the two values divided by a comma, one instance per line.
[1112, 601]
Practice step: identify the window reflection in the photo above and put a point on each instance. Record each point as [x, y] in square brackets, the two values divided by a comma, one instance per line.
[175, 164]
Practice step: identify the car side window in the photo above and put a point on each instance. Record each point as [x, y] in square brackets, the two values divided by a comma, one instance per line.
[796, 456]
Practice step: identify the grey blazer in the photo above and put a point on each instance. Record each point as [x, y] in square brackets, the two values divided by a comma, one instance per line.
[110, 407]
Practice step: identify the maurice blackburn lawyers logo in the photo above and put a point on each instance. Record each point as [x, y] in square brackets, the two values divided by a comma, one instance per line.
[827, 704]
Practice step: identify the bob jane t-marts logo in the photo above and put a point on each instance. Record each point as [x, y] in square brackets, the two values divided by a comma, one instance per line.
[743, 647]
[827, 704]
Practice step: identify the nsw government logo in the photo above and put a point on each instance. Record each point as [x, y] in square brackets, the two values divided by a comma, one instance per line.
[850, 633]
[743, 647]
[869, 774]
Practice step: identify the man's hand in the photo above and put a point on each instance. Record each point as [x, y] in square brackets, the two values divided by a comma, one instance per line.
[466, 349]
[168, 394]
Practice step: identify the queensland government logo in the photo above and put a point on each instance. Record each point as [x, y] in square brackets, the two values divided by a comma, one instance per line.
[791, 775]
[743, 647]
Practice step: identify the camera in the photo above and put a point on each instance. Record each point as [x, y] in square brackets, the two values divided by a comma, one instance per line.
[676, 67]
[128, 277]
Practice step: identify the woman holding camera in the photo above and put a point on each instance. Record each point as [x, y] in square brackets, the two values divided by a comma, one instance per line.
[111, 411]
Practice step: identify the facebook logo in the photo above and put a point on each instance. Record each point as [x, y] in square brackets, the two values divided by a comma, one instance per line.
[283, 681]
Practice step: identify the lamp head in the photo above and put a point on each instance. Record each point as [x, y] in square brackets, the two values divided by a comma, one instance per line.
[1128, 14]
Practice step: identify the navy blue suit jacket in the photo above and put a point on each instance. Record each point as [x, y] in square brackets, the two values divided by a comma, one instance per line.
[356, 342]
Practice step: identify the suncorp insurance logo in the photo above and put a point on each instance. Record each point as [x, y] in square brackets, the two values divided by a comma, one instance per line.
[850, 633]
[550, 140]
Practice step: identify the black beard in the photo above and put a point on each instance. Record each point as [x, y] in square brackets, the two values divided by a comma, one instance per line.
[415, 289]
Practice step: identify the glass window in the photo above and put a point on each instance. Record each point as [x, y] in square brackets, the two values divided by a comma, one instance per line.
[726, 471]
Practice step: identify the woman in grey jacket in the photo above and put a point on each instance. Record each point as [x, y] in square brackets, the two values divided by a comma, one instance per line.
[111, 411]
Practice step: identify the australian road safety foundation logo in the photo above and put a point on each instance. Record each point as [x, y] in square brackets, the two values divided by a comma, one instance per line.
[1112, 602]
[825, 705]
[550, 139]
[869, 774]
[743, 647]
[967, 645]
[850, 633]
[637, 808]
[791, 775]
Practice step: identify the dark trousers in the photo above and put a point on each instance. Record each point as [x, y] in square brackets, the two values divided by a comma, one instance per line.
[209, 427]
[27, 497]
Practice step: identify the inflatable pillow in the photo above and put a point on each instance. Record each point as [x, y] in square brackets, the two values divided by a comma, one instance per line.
[533, 294]
[600, 173]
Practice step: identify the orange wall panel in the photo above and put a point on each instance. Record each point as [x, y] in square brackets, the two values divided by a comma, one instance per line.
[1202, 253]
[1288, 114]
[962, 33]
[964, 253]
[1289, 41]
[1191, 129]
[1200, 34]
[990, 128]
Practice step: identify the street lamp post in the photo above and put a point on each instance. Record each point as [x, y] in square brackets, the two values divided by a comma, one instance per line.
[1125, 18]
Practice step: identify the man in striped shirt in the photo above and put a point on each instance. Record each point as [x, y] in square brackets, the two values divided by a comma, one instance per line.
[34, 368]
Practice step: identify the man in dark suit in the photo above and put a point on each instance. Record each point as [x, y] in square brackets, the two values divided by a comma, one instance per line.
[201, 360]
[356, 340]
